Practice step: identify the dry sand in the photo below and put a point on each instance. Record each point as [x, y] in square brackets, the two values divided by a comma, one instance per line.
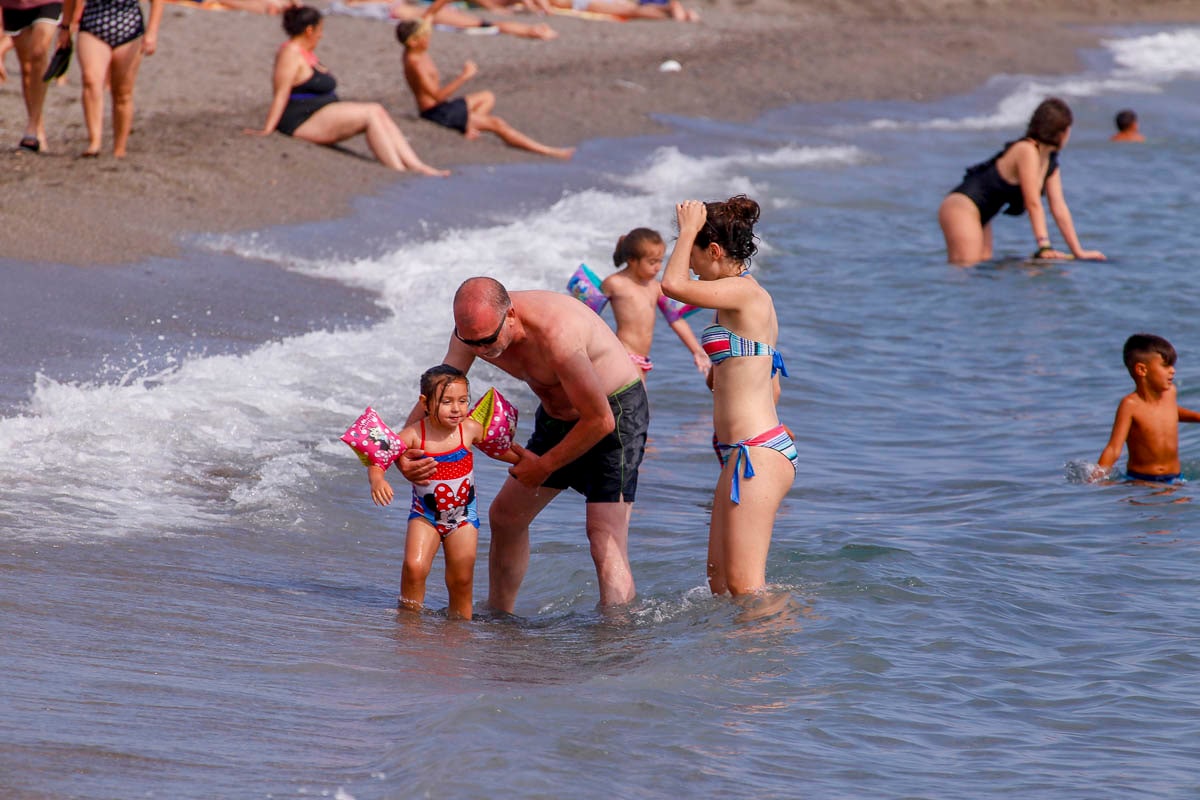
[192, 169]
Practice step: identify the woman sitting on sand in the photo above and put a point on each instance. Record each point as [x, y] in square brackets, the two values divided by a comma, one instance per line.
[305, 105]
[1016, 177]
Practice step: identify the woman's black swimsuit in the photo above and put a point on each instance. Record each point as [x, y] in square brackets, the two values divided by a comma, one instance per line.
[990, 192]
[114, 22]
[306, 99]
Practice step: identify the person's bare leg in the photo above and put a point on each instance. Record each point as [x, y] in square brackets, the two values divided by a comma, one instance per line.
[608, 534]
[526, 31]
[95, 58]
[740, 536]
[339, 121]
[33, 52]
[391, 136]
[6, 44]
[513, 509]
[958, 217]
[514, 138]
[125, 62]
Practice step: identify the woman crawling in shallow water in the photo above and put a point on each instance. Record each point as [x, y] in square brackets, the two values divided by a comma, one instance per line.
[1016, 177]
[305, 105]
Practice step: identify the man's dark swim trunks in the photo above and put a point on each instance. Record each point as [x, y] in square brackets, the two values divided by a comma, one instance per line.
[451, 114]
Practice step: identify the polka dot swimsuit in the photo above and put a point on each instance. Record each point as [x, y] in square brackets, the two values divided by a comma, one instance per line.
[115, 22]
[447, 502]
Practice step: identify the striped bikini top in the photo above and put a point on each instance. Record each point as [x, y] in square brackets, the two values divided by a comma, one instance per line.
[721, 343]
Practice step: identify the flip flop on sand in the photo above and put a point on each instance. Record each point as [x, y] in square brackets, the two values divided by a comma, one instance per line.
[29, 143]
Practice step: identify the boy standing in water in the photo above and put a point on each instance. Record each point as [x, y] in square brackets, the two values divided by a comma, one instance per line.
[468, 115]
[635, 292]
[1148, 418]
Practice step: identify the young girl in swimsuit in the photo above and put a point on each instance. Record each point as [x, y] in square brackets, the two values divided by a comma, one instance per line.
[758, 457]
[1016, 177]
[443, 510]
[634, 293]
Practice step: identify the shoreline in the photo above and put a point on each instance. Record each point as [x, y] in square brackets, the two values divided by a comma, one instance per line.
[192, 170]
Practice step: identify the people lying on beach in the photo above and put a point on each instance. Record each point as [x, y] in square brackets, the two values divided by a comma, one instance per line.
[1127, 127]
[29, 28]
[1148, 418]
[589, 433]
[449, 17]
[758, 457]
[251, 6]
[305, 104]
[453, 16]
[1016, 177]
[622, 9]
[113, 37]
[443, 510]
[635, 294]
[468, 115]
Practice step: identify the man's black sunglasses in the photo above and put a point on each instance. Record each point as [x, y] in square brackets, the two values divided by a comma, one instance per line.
[487, 341]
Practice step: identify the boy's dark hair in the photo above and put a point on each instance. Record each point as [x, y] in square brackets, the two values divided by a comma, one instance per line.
[1049, 122]
[1140, 346]
[405, 29]
[630, 245]
[1126, 119]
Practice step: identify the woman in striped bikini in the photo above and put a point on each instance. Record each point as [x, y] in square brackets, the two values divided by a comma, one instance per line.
[758, 457]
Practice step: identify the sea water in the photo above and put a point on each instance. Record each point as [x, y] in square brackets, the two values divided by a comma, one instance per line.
[198, 598]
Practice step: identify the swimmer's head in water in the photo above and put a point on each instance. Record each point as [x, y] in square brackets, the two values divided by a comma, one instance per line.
[1049, 122]
[1126, 119]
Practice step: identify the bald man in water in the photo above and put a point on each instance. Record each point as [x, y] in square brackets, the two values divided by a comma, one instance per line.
[589, 431]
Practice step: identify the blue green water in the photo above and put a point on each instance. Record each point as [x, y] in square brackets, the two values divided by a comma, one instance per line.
[198, 598]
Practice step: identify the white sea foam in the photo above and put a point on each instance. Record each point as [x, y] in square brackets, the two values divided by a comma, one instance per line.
[1141, 65]
[253, 435]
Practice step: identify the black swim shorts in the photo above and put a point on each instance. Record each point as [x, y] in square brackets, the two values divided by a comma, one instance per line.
[451, 114]
[608, 472]
[17, 20]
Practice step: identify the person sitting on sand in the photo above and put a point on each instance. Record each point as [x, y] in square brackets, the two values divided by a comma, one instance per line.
[1148, 418]
[1016, 177]
[624, 9]
[29, 27]
[304, 104]
[469, 115]
[1127, 127]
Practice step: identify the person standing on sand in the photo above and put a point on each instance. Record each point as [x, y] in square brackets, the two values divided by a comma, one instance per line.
[304, 103]
[112, 40]
[31, 26]
[589, 434]
[468, 115]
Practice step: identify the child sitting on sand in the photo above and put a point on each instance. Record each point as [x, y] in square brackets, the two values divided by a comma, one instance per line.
[443, 509]
[1148, 418]
[469, 115]
[635, 292]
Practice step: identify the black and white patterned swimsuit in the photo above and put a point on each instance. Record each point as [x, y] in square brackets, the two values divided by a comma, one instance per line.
[114, 22]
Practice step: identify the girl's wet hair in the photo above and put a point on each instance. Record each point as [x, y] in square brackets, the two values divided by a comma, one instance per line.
[1140, 346]
[1049, 122]
[731, 225]
[632, 245]
[297, 19]
[434, 382]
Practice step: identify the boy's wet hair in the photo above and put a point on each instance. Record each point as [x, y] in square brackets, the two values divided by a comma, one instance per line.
[1049, 122]
[632, 245]
[1140, 346]
[731, 225]
[1126, 119]
[434, 382]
